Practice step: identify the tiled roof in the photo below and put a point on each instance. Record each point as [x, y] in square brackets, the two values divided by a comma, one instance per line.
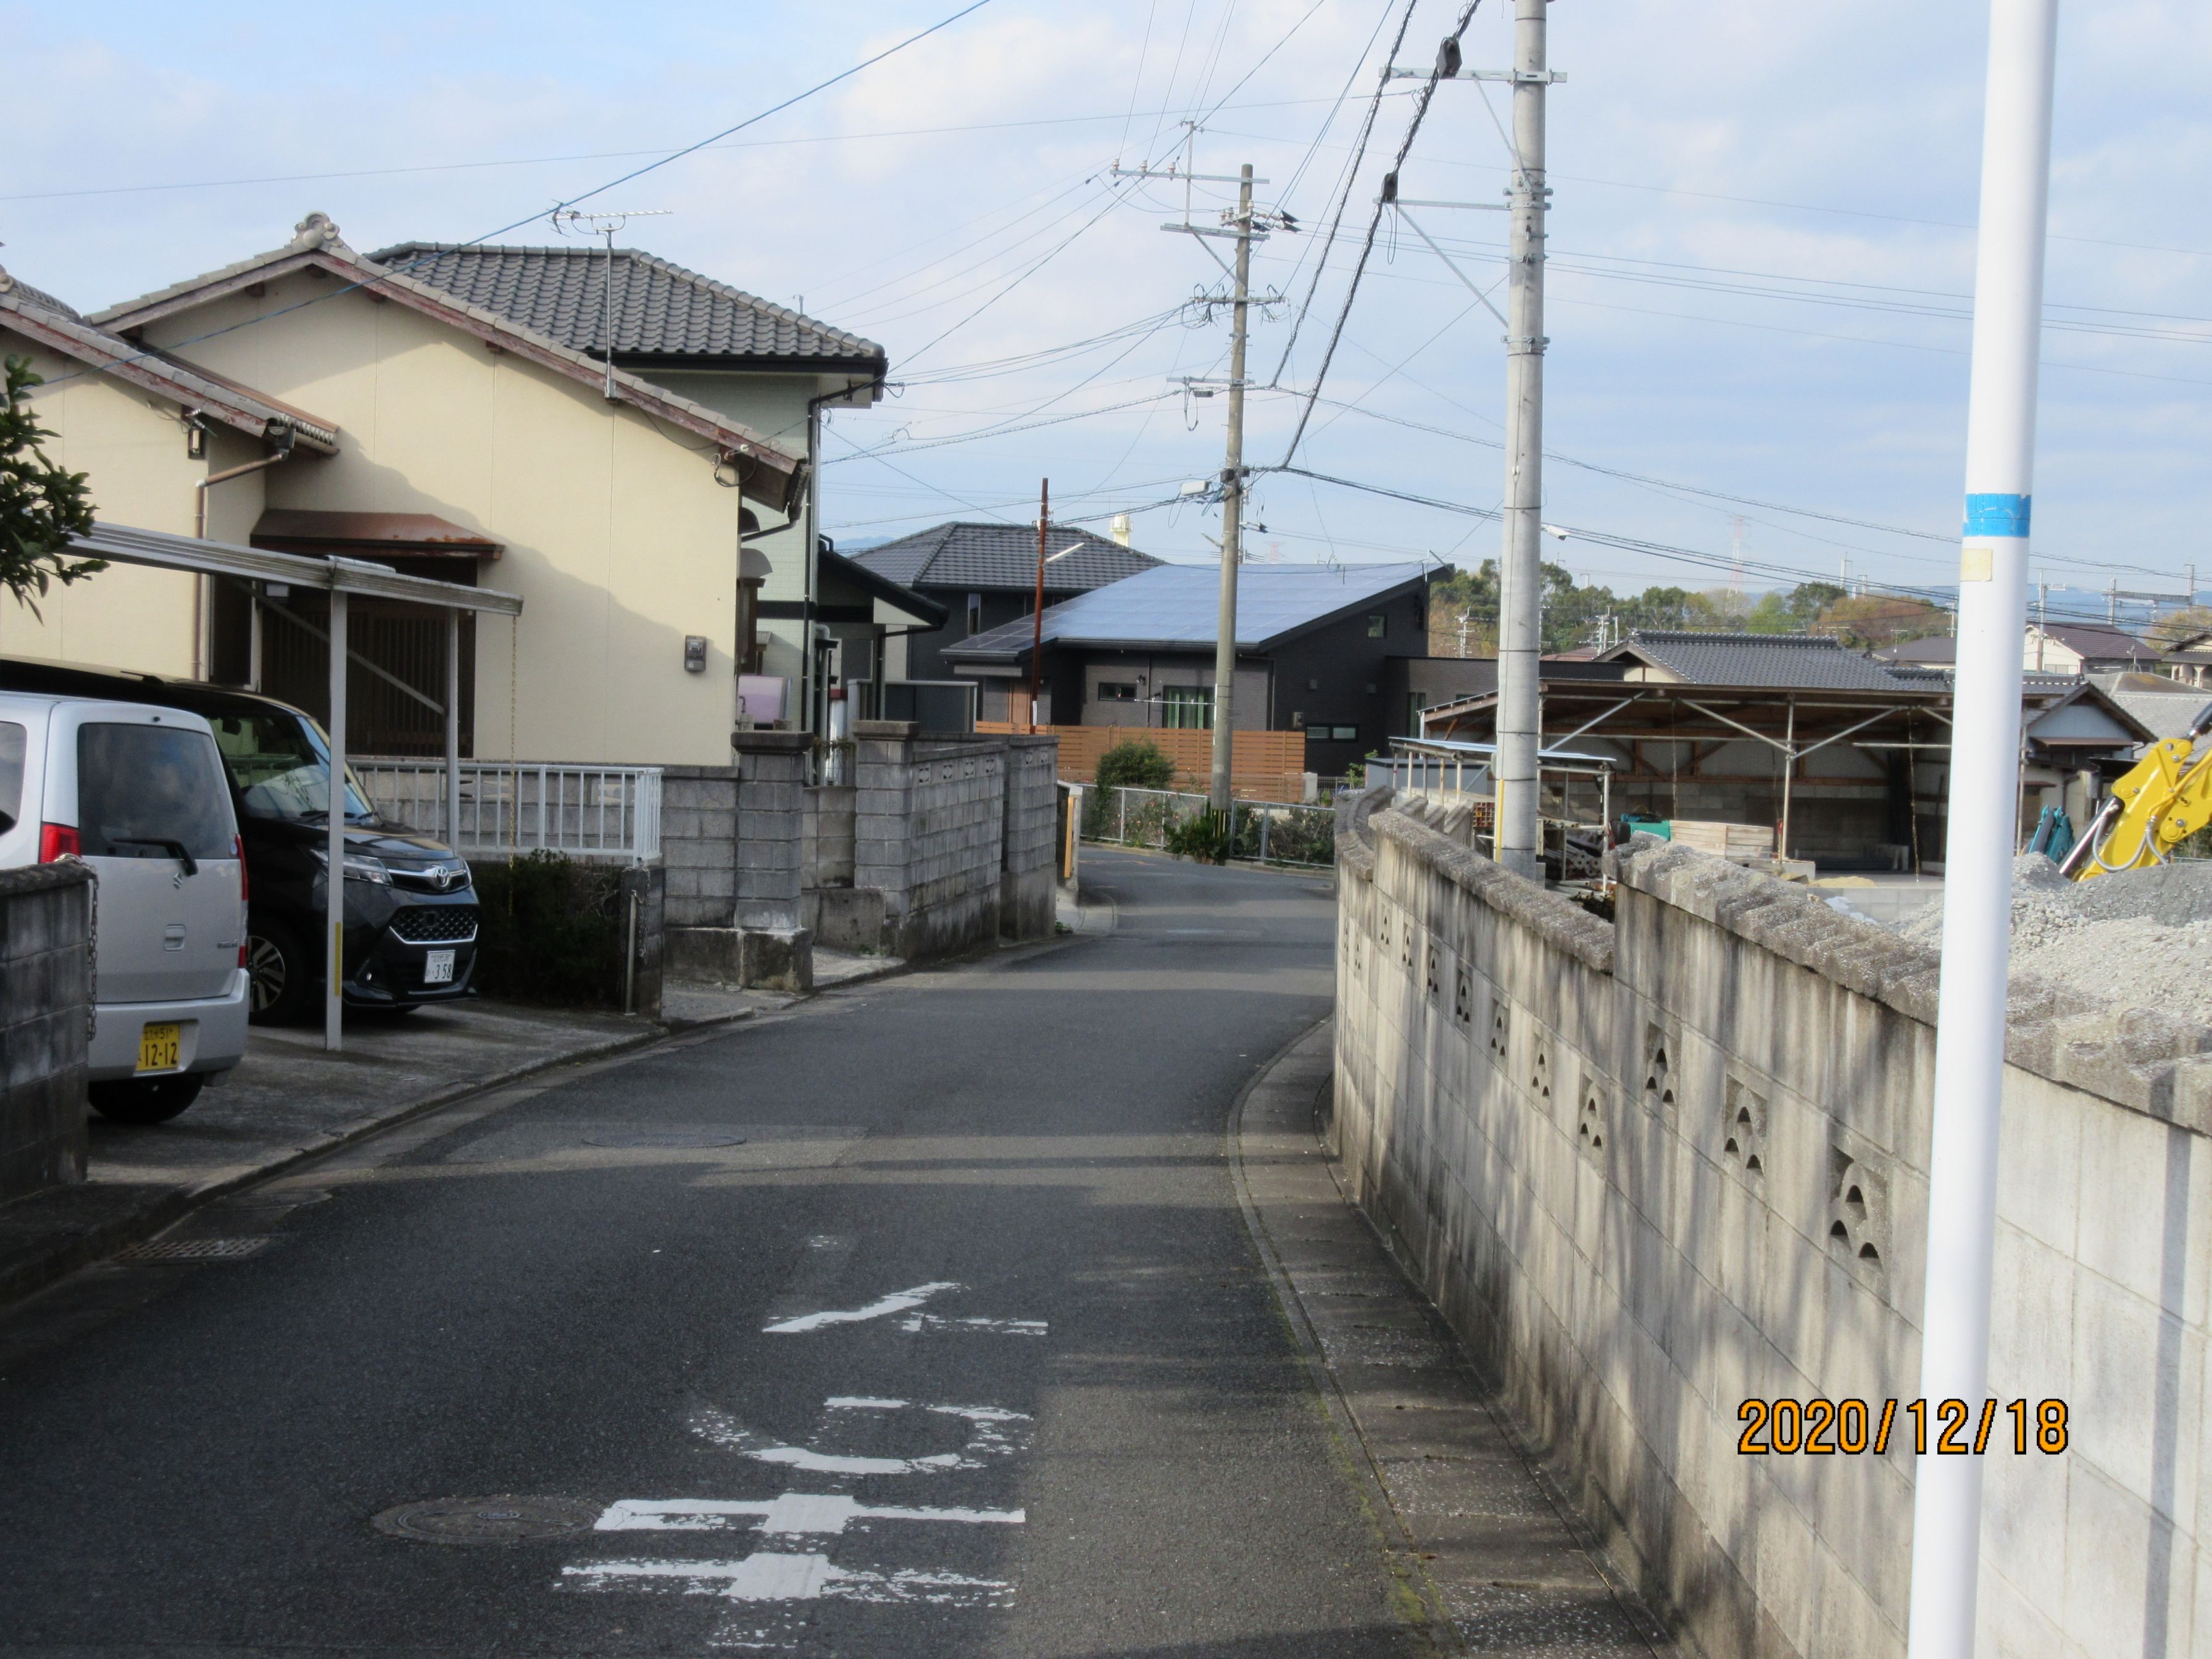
[1935, 650]
[1178, 604]
[661, 310]
[2099, 640]
[1001, 556]
[37, 296]
[1777, 659]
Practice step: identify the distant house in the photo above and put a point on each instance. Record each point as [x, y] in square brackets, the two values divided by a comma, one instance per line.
[1314, 650]
[650, 495]
[1936, 651]
[985, 575]
[1849, 754]
[2086, 648]
[2188, 659]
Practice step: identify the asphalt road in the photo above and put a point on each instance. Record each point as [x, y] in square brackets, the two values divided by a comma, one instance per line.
[920, 1320]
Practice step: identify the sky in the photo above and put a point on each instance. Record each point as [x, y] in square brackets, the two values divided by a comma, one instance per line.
[1762, 258]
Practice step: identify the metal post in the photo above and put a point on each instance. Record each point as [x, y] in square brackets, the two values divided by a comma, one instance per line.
[1969, 1032]
[253, 636]
[453, 730]
[1036, 625]
[1232, 511]
[1789, 773]
[334, 840]
[1521, 580]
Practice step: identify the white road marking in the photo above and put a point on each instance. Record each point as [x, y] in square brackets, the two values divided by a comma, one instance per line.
[898, 1302]
[1002, 1327]
[791, 1514]
[771, 1576]
[992, 1432]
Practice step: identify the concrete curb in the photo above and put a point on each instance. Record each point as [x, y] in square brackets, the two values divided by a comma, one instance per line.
[96, 1243]
[1424, 1436]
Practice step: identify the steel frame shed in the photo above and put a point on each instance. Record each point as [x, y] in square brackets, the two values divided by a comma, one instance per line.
[339, 578]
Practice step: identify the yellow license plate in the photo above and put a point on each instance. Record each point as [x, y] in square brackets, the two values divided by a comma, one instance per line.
[160, 1047]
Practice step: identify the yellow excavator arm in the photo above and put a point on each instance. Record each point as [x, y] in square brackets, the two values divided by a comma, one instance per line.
[2158, 803]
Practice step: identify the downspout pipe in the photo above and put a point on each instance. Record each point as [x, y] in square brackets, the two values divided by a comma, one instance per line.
[200, 488]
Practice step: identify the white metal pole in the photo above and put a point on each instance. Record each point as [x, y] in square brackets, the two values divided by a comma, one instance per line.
[453, 730]
[1962, 1168]
[1232, 515]
[334, 842]
[1521, 580]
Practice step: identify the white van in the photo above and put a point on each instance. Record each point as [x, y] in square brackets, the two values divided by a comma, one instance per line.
[138, 793]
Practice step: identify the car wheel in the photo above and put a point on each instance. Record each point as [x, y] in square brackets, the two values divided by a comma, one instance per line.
[277, 974]
[143, 1100]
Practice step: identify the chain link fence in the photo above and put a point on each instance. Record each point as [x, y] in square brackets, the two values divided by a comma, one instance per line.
[1263, 832]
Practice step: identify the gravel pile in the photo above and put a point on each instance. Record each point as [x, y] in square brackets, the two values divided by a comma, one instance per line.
[2144, 938]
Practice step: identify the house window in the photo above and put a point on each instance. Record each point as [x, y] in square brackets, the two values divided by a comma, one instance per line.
[1377, 625]
[1116, 691]
[1187, 707]
[975, 613]
[1344, 733]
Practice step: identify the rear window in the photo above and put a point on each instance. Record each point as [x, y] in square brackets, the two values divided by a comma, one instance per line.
[13, 741]
[143, 790]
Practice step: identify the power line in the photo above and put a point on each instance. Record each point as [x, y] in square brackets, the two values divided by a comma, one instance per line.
[1367, 247]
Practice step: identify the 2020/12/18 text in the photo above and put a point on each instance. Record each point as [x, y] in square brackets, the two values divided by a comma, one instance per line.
[1826, 1428]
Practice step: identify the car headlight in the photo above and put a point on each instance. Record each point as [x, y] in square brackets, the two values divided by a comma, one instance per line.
[359, 866]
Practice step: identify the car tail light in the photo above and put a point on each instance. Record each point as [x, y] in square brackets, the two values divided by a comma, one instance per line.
[59, 841]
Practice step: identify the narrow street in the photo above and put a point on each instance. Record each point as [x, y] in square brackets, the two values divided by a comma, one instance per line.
[921, 1319]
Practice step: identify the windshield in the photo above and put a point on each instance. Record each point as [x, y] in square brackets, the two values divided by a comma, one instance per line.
[279, 764]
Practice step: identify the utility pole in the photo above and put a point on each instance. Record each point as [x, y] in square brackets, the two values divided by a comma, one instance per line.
[1037, 625]
[1521, 580]
[1232, 510]
[2113, 602]
[1239, 228]
[1971, 1005]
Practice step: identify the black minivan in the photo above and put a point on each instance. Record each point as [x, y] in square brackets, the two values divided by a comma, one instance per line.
[410, 905]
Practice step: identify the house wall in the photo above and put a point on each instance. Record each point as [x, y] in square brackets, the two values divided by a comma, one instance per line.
[616, 537]
[1653, 1169]
[131, 446]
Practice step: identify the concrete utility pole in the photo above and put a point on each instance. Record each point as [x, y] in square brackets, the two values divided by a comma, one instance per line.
[1520, 577]
[1970, 1031]
[1239, 228]
[1233, 509]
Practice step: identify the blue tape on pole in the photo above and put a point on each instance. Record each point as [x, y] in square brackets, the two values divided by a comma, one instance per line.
[1997, 515]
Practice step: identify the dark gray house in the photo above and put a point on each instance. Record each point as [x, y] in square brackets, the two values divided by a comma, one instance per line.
[985, 575]
[1318, 651]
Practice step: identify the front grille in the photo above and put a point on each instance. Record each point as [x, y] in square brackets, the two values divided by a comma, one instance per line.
[436, 924]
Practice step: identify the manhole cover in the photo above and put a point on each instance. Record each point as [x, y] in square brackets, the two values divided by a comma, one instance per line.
[503, 1519]
[670, 1139]
[193, 1249]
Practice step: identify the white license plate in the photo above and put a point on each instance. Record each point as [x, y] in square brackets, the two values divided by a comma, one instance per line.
[438, 967]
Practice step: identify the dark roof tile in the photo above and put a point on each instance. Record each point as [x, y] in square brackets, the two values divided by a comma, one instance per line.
[982, 556]
[1777, 659]
[661, 310]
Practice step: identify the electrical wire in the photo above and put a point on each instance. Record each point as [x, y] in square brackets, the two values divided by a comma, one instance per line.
[1367, 247]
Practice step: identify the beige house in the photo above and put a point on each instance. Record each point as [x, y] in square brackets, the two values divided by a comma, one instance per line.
[654, 512]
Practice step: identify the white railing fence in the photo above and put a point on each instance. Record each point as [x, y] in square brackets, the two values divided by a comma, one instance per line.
[512, 807]
[1271, 832]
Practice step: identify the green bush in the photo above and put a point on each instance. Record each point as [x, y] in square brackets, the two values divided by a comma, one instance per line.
[1202, 835]
[550, 930]
[1135, 765]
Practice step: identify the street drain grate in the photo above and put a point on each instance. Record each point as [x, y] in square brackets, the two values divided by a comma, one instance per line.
[501, 1519]
[665, 1140]
[194, 1249]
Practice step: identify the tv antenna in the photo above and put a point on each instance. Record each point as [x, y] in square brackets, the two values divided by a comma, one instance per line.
[575, 221]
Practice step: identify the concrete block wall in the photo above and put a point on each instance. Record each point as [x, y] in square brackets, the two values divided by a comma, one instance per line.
[699, 844]
[771, 845]
[1029, 839]
[1654, 1168]
[46, 999]
[826, 832]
